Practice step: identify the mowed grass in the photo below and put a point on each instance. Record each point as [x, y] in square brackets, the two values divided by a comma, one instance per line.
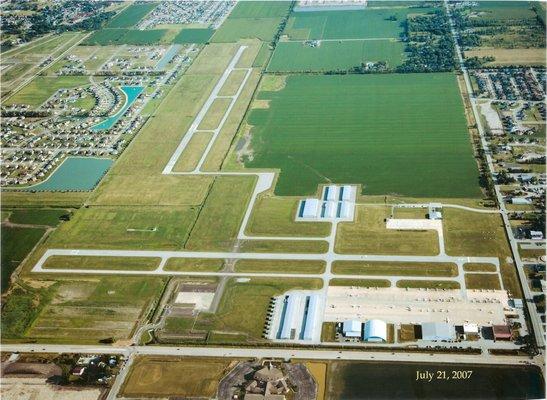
[274, 216]
[42, 88]
[102, 263]
[414, 284]
[244, 305]
[150, 228]
[91, 310]
[482, 281]
[281, 266]
[152, 376]
[219, 220]
[394, 134]
[194, 36]
[355, 24]
[335, 55]
[360, 282]
[473, 234]
[395, 268]
[16, 243]
[368, 235]
[131, 15]
[194, 264]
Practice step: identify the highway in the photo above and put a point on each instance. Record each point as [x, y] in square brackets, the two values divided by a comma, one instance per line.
[287, 354]
[528, 296]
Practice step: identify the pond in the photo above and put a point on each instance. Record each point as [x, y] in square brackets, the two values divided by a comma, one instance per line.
[131, 94]
[75, 173]
[361, 380]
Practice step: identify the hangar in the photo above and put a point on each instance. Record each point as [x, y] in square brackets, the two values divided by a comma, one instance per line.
[352, 328]
[375, 331]
[436, 331]
[337, 203]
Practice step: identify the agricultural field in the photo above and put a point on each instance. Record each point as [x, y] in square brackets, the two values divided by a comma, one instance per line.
[506, 57]
[194, 35]
[131, 15]
[356, 24]
[340, 129]
[16, 244]
[174, 376]
[252, 19]
[107, 36]
[334, 55]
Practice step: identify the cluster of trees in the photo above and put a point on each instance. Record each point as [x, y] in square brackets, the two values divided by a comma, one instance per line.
[478, 62]
[430, 47]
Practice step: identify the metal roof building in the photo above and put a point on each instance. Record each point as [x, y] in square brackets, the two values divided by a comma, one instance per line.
[375, 331]
[309, 208]
[287, 329]
[351, 328]
[312, 317]
[438, 331]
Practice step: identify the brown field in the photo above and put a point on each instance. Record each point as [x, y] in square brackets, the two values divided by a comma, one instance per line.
[532, 56]
[174, 376]
[482, 281]
[319, 373]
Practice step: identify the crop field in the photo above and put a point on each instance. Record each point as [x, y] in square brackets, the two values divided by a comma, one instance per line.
[341, 129]
[356, 24]
[174, 377]
[504, 10]
[88, 311]
[194, 35]
[35, 216]
[126, 228]
[106, 36]
[260, 9]
[334, 55]
[131, 15]
[16, 243]
[42, 88]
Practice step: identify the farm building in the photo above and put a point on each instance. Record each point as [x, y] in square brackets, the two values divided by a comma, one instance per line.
[352, 328]
[438, 331]
[375, 331]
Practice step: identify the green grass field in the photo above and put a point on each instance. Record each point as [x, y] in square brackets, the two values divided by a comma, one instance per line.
[233, 30]
[107, 36]
[428, 284]
[356, 24]
[88, 311]
[394, 268]
[260, 9]
[194, 35]
[403, 134]
[281, 266]
[16, 243]
[334, 55]
[360, 282]
[36, 216]
[126, 227]
[504, 10]
[102, 263]
[42, 88]
[131, 15]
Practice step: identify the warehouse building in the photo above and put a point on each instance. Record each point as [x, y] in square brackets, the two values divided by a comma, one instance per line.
[337, 203]
[438, 331]
[297, 316]
[352, 328]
